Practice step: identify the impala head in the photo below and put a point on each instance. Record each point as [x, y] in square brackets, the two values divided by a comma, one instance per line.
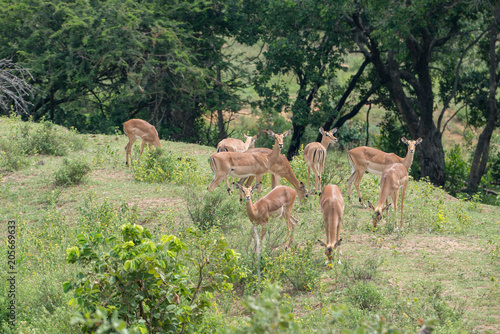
[251, 138]
[303, 189]
[411, 143]
[278, 137]
[247, 191]
[329, 135]
[329, 249]
[377, 214]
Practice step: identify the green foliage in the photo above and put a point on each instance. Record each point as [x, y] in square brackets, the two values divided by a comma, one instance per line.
[457, 170]
[148, 284]
[30, 138]
[365, 296]
[103, 323]
[267, 314]
[296, 266]
[156, 166]
[212, 209]
[364, 271]
[71, 172]
[375, 325]
[352, 134]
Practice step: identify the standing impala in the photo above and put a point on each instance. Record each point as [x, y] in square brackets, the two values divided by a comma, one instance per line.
[236, 145]
[367, 159]
[394, 177]
[139, 129]
[332, 206]
[242, 165]
[315, 155]
[278, 201]
[281, 169]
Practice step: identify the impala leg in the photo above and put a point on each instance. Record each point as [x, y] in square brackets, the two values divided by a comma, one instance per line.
[128, 150]
[349, 184]
[357, 181]
[339, 227]
[142, 148]
[403, 192]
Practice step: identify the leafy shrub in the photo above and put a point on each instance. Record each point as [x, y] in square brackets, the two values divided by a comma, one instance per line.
[213, 209]
[161, 166]
[12, 157]
[47, 138]
[148, 284]
[71, 172]
[365, 296]
[267, 314]
[352, 134]
[295, 266]
[457, 170]
[364, 271]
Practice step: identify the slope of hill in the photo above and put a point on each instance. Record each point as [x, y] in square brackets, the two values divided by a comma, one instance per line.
[443, 265]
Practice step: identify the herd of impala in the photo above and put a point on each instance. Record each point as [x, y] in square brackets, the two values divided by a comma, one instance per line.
[243, 161]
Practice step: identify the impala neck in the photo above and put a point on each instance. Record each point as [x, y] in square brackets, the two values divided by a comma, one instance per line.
[251, 212]
[325, 142]
[408, 160]
[274, 155]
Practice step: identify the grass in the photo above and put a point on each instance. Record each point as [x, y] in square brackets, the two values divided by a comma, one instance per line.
[444, 264]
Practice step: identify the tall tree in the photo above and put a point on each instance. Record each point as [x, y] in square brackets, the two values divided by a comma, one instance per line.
[405, 41]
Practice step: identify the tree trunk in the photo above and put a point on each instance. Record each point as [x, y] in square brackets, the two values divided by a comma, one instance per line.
[220, 114]
[480, 159]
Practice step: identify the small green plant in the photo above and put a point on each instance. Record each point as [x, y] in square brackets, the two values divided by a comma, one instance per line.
[363, 272]
[71, 172]
[365, 296]
[457, 170]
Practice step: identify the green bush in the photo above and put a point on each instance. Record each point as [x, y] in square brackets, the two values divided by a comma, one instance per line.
[267, 315]
[158, 166]
[364, 271]
[296, 266]
[365, 296]
[213, 209]
[71, 172]
[161, 287]
[457, 170]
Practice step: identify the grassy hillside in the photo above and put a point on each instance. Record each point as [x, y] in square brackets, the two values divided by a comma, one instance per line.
[444, 265]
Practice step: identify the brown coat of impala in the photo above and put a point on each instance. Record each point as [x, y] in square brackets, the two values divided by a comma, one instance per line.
[236, 145]
[394, 178]
[278, 202]
[139, 129]
[332, 207]
[367, 159]
[241, 165]
[281, 169]
[315, 155]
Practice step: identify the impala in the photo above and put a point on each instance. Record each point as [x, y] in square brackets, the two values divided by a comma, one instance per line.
[139, 129]
[315, 155]
[367, 159]
[281, 169]
[241, 165]
[236, 145]
[394, 177]
[332, 206]
[278, 201]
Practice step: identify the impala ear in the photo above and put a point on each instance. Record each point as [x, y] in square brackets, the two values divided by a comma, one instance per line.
[419, 140]
[257, 185]
[387, 207]
[338, 243]
[321, 131]
[404, 140]
[370, 205]
[237, 186]
[244, 135]
[333, 131]
[287, 133]
[270, 133]
[322, 243]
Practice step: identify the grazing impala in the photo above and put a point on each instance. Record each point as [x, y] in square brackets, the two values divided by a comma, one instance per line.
[236, 145]
[367, 159]
[332, 206]
[278, 201]
[242, 165]
[139, 129]
[394, 177]
[315, 155]
[281, 169]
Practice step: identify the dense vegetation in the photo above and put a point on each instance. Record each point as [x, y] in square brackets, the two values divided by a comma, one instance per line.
[136, 250]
